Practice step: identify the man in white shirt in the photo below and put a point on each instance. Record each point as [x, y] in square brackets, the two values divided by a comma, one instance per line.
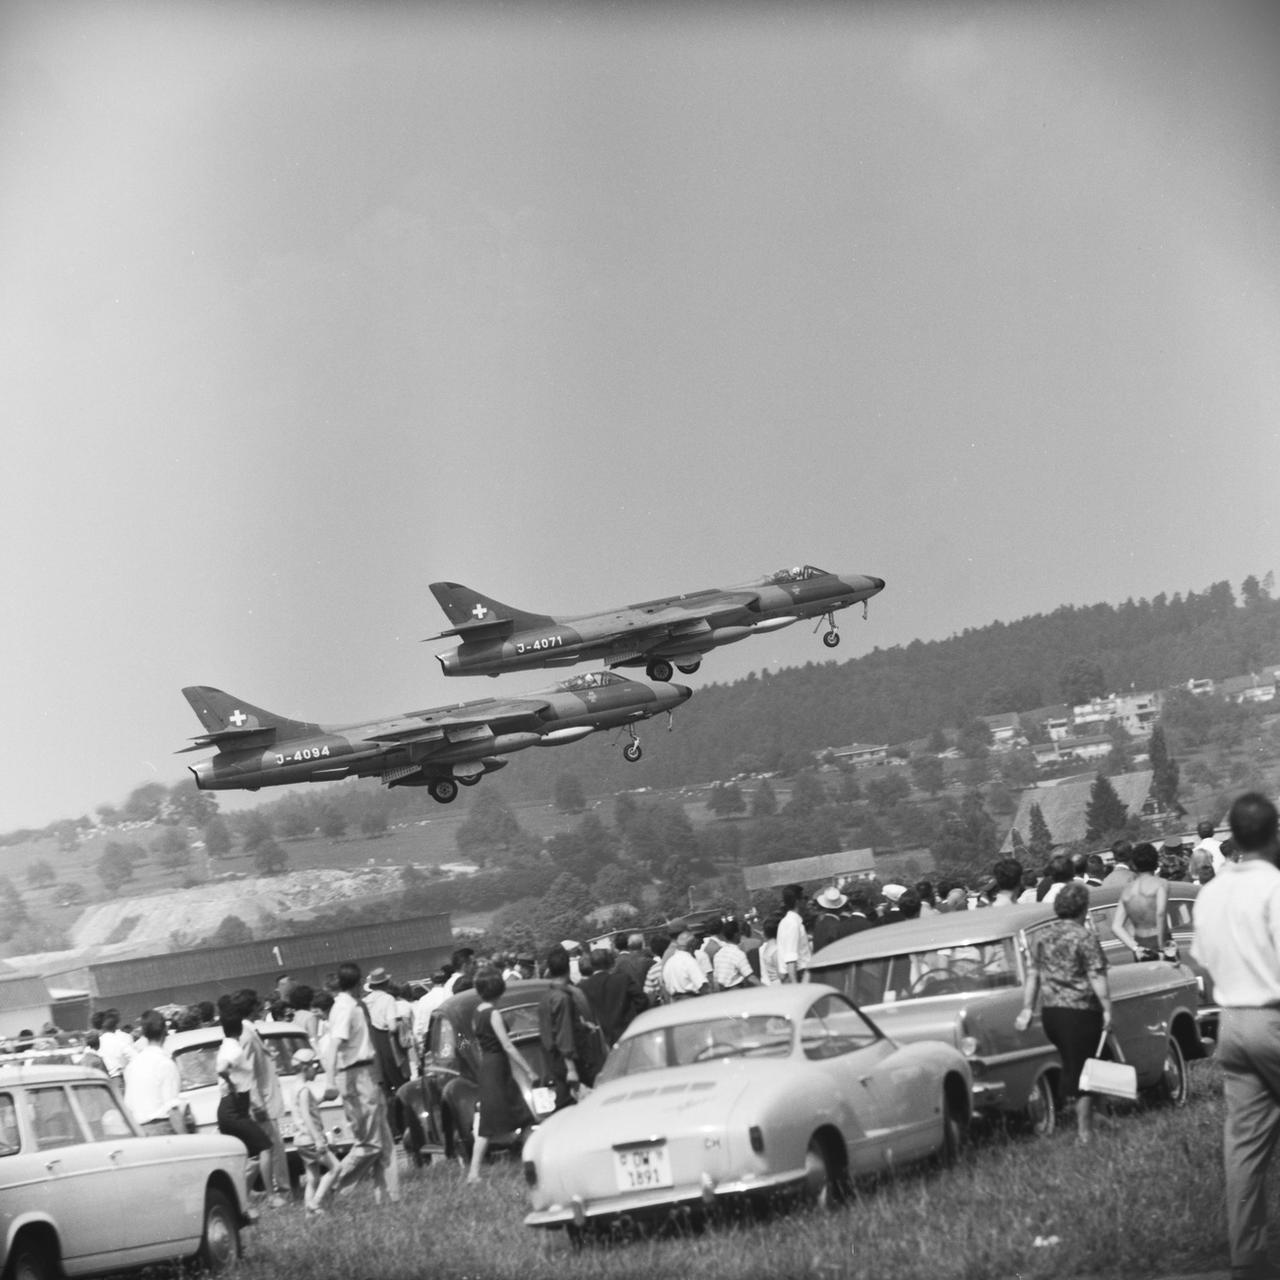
[794, 950]
[351, 1044]
[151, 1081]
[1207, 853]
[115, 1046]
[1237, 939]
[681, 974]
[730, 964]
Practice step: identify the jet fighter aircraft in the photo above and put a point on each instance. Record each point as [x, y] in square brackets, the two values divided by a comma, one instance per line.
[676, 629]
[436, 749]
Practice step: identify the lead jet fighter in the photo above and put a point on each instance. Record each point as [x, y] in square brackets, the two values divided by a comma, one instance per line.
[654, 635]
[437, 749]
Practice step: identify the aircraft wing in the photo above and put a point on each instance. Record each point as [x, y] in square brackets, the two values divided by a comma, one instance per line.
[449, 725]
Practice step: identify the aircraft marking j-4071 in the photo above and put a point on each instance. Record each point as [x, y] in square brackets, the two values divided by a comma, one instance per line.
[656, 634]
[436, 749]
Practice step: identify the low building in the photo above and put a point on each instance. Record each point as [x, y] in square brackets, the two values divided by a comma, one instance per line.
[25, 1003]
[850, 864]
[1258, 687]
[859, 754]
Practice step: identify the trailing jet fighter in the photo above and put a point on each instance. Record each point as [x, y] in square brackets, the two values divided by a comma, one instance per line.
[653, 635]
[436, 749]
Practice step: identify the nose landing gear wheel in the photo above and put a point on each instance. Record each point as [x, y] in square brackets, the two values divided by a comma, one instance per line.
[831, 639]
[632, 752]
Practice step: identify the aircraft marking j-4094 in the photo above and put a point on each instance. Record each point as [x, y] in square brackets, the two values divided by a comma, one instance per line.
[655, 634]
[437, 749]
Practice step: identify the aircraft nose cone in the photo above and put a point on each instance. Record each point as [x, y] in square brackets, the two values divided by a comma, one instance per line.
[865, 585]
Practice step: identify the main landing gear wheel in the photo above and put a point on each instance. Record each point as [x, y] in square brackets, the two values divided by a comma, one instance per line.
[688, 668]
[659, 669]
[444, 790]
[470, 782]
[831, 639]
[632, 752]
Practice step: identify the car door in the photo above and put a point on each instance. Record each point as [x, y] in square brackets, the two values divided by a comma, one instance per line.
[151, 1178]
[883, 1116]
[73, 1179]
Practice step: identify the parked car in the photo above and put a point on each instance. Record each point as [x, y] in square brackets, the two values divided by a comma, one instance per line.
[959, 978]
[83, 1191]
[196, 1053]
[440, 1106]
[752, 1094]
[1180, 927]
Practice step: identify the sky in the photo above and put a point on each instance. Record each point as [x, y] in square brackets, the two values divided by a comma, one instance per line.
[306, 306]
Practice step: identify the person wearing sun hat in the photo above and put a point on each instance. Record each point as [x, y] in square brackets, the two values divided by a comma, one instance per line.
[833, 919]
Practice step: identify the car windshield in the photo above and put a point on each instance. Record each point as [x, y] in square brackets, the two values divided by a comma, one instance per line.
[520, 1019]
[917, 975]
[757, 1036]
[282, 1048]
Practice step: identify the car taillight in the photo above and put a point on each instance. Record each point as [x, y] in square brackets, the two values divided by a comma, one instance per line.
[531, 1173]
[757, 1139]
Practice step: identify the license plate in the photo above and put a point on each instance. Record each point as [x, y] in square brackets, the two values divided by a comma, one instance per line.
[287, 1127]
[639, 1168]
[544, 1101]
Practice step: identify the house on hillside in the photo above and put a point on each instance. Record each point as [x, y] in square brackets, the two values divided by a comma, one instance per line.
[1064, 806]
[1256, 687]
[859, 754]
[1089, 748]
[1136, 713]
[1006, 730]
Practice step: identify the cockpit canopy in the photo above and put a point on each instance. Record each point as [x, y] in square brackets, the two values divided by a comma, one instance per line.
[593, 680]
[800, 573]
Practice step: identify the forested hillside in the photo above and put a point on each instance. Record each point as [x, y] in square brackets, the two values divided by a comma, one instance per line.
[894, 695]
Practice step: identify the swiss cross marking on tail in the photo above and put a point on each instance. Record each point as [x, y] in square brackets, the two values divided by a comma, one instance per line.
[479, 611]
[237, 717]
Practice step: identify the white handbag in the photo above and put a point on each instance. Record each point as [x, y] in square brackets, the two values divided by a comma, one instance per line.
[1118, 1079]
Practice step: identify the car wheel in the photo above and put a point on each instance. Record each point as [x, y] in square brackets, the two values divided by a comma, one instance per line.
[825, 1181]
[952, 1135]
[1042, 1111]
[220, 1244]
[1175, 1086]
[33, 1258]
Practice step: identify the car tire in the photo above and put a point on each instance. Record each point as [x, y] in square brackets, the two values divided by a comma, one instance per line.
[952, 1135]
[33, 1257]
[825, 1180]
[220, 1244]
[1042, 1111]
[1175, 1085]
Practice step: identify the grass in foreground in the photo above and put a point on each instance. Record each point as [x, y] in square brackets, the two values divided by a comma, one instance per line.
[1144, 1200]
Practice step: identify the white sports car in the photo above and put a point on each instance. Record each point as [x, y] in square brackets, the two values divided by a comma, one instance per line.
[753, 1094]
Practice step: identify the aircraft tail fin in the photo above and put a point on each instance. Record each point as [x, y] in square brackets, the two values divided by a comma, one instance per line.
[473, 614]
[231, 722]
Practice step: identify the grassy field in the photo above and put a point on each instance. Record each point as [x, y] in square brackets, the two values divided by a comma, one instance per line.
[1144, 1200]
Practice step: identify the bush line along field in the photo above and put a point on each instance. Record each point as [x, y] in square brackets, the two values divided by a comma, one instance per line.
[1144, 1200]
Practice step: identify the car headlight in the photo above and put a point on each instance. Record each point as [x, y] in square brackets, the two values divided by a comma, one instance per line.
[967, 1044]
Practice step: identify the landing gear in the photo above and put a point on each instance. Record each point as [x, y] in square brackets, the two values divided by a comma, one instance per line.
[470, 781]
[443, 790]
[688, 667]
[631, 751]
[831, 639]
[659, 669]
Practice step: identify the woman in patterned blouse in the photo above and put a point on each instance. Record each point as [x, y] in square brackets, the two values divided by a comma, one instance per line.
[1069, 973]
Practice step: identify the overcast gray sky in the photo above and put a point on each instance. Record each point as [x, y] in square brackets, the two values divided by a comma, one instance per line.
[303, 307]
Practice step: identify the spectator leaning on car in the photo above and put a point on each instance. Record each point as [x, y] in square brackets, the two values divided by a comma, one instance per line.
[151, 1082]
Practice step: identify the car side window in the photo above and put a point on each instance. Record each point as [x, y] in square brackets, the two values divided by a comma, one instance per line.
[1179, 915]
[10, 1138]
[1100, 918]
[101, 1112]
[833, 1027]
[52, 1120]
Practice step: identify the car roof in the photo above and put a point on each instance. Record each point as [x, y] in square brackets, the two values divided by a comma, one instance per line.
[213, 1035]
[788, 1000]
[16, 1073]
[946, 929]
[519, 991]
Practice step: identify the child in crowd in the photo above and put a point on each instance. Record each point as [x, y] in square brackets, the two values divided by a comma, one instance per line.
[320, 1165]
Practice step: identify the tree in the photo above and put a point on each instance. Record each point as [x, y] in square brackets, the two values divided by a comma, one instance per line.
[67, 835]
[188, 806]
[294, 820]
[764, 800]
[1105, 814]
[974, 738]
[217, 837]
[563, 907]
[333, 821]
[885, 791]
[1164, 772]
[928, 774]
[231, 932]
[1081, 680]
[726, 800]
[256, 831]
[569, 796]
[172, 849]
[146, 803]
[966, 843]
[40, 874]
[115, 866]
[269, 859]
[489, 828]
[373, 821]
[1040, 843]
